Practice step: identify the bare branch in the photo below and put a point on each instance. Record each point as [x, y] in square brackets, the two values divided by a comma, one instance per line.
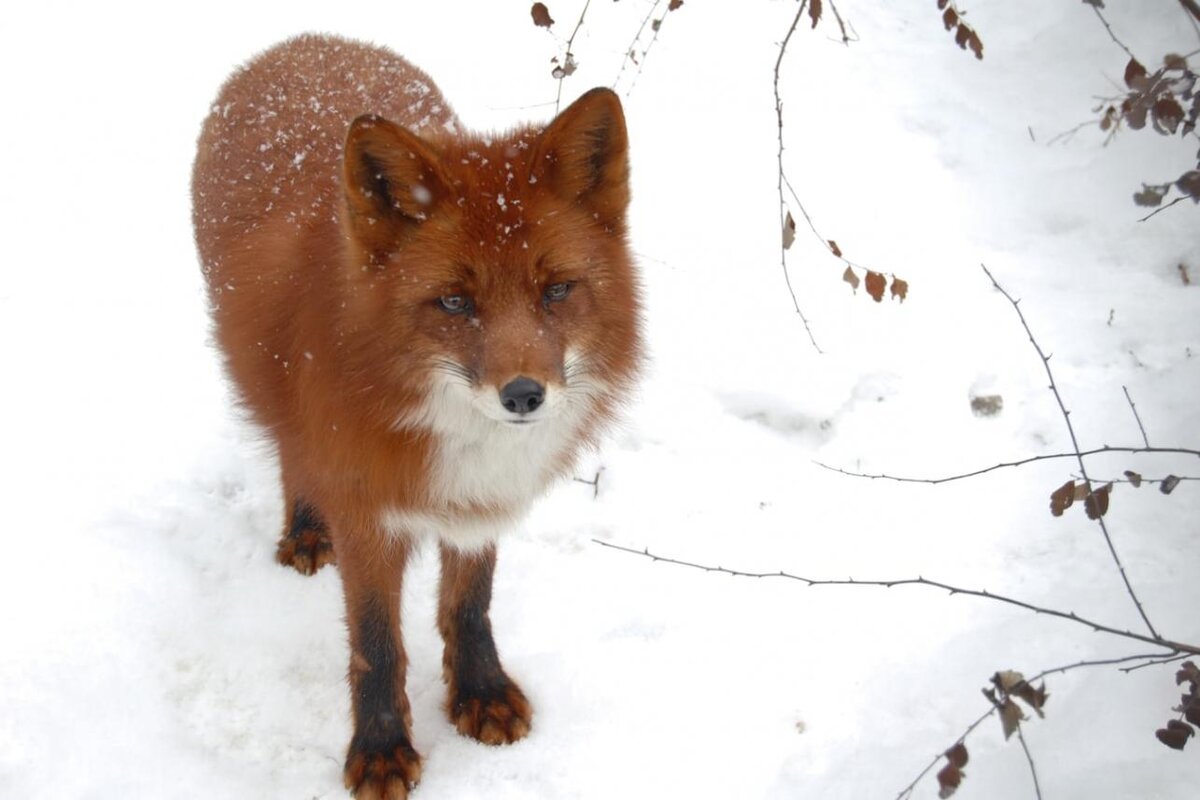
[779, 187]
[1030, 460]
[1074, 444]
[1108, 28]
[841, 22]
[1192, 7]
[783, 205]
[1037, 789]
[1071, 616]
[1161, 209]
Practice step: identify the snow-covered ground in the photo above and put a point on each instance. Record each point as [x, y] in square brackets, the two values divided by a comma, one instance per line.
[151, 647]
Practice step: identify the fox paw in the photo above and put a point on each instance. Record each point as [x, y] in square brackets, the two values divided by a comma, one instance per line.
[384, 775]
[305, 551]
[497, 716]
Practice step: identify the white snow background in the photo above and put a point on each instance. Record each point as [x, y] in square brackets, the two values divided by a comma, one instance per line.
[151, 647]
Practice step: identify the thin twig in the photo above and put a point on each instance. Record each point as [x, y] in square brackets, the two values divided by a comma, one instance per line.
[1037, 789]
[1108, 27]
[1157, 662]
[568, 57]
[1192, 8]
[919, 581]
[1133, 408]
[1075, 445]
[779, 187]
[841, 23]
[1161, 209]
[1103, 662]
[1030, 460]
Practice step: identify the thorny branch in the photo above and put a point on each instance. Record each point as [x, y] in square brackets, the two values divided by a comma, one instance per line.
[1018, 463]
[1037, 789]
[1075, 445]
[629, 51]
[1155, 639]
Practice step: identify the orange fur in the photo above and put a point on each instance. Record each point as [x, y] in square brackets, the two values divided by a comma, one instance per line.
[380, 281]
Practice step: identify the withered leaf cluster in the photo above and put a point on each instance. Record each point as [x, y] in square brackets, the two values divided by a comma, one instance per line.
[1007, 687]
[1095, 501]
[1177, 732]
[1166, 100]
[964, 35]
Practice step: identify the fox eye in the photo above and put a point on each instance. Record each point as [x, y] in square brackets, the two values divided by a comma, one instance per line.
[556, 292]
[454, 303]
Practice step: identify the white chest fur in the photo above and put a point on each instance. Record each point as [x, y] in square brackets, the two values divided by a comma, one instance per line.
[486, 471]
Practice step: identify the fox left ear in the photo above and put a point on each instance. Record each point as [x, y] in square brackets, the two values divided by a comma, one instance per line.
[393, 180]
[584, 156]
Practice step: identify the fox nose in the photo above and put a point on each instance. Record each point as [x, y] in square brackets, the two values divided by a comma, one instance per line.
[522, 395]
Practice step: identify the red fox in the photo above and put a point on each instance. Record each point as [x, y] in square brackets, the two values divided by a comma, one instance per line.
[430, 325]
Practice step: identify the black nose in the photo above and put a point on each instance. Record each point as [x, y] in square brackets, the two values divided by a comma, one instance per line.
[522, 395]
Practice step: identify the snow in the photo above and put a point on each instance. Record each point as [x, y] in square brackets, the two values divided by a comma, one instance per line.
[151, 644]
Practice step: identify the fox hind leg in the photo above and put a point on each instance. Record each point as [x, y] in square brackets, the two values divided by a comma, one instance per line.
[305, 545]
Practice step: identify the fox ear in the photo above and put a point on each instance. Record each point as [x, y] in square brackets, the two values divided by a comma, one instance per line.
[393, 181]
[584, 156]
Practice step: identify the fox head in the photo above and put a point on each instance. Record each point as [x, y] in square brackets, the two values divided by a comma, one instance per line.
[493, 274]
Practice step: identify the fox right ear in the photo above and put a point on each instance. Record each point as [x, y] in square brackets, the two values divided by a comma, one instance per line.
[392, 180]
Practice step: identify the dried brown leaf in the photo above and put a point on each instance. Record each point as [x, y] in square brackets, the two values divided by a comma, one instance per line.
[1034, 696]
[789, 231]
[1175, 735]
[1096, 503]
[950, 18]
[876, 284]
[1189, 184]
[963, 35]
[1109, 119]
[541, 15]
[899, 289]
[674, 4]
[1187, 673]
[957, 755]
[1136, 77]
[1175, 61]
[1010, 717]
[833, 248]
[814, 11]
[942, 3]
[1150, 196]
[1062, 498]
[849, 277]
[1134, 478]
[975, 44]
[1168, 484]
[1167, 114]
[949, 778]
